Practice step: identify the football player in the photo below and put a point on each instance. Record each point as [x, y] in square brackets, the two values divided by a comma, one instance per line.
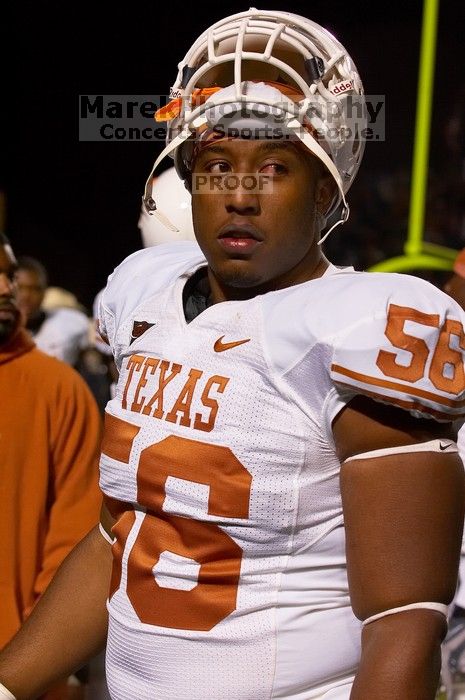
[283, 499]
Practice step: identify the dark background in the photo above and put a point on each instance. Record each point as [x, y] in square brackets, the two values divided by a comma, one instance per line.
[75, 205]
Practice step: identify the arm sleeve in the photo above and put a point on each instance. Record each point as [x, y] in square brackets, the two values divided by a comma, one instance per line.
[74, 495]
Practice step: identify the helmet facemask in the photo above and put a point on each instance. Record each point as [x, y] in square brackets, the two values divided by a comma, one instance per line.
[308, 86]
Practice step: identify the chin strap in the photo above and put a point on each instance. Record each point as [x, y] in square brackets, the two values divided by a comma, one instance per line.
[344, 216]
[314, 147]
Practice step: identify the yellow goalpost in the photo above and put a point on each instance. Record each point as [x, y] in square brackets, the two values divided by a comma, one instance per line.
[419, 254]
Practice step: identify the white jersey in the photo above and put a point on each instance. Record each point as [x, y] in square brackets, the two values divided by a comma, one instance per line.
[63, 334]
[229, 579]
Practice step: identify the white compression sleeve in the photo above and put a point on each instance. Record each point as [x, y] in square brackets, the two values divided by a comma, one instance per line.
[430, 446]
[5, 693]
[438, 607]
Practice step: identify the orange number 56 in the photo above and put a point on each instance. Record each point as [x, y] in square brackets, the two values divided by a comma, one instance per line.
[214, 596]
[443, 355]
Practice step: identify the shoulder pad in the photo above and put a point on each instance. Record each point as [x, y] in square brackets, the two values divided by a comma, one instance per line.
[139, 277]
[406, 348]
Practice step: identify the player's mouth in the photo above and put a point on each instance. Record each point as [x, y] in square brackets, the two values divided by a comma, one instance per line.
[239, 238]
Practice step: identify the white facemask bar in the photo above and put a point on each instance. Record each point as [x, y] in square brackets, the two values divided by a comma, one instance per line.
[264, 21]
[238, 55]
[255, 22]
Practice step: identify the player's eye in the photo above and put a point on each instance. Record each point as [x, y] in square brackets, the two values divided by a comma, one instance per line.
[217, 167]
[274, 168]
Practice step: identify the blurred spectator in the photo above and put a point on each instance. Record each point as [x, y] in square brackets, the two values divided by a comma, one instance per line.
[59, 298]
[97, 366]
[49, 444]
[31, 279]
[57, 323]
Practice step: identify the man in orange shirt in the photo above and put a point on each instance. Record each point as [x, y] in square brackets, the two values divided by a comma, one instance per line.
[49, 442]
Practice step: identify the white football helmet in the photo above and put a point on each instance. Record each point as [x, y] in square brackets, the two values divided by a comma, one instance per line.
[175, 202]
[277, 49]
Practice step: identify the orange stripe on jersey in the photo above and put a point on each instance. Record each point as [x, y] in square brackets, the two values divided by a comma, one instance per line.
[409, 405]
[374, 381]
[118, 437]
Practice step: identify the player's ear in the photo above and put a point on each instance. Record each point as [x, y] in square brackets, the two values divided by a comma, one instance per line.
[325, 192]
[188, 182]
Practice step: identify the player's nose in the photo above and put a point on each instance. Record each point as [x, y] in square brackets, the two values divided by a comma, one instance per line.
[242, 197]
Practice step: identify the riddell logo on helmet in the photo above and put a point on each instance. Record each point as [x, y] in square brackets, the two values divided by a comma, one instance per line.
[343, 86]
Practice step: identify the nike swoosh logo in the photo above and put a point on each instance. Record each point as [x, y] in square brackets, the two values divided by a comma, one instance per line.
[219, 346]
[443, 447]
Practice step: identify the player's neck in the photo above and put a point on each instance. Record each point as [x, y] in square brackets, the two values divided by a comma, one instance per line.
[221, 291]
